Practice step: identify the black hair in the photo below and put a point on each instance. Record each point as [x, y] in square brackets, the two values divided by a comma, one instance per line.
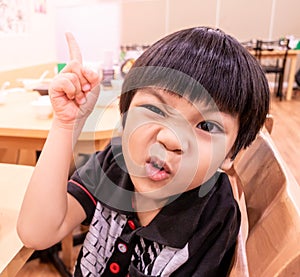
[211, 60]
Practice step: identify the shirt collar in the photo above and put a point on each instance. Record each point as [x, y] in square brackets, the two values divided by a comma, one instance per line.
[175, 224]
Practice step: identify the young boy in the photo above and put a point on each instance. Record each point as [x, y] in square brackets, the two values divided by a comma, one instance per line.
[156, 199]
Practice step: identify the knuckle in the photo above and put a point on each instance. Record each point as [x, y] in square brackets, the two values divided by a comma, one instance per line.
[73, 78]
[74, 64]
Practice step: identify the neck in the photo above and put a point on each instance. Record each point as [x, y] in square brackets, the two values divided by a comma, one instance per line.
[146, 217]
[147, 208]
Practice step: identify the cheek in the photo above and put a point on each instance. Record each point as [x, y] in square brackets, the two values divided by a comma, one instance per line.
[205, 159]
[132, 150]
[219, 152]
[135, 145]
[138, 131]
[136, 138]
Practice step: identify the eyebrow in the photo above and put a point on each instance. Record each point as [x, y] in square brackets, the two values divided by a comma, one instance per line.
[205, 109]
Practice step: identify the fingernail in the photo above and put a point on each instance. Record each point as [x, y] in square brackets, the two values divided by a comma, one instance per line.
[86, 87]
[81, 101]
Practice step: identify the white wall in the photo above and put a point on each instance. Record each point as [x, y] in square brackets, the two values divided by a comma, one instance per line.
[96, 26]
[100, 25]
[145, 21]
[94, 23]
[35, 46]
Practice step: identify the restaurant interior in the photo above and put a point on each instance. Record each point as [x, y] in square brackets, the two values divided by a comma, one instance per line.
[112, 33]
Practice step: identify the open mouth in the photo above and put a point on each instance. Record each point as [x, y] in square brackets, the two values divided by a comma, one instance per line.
[157, 169]
[156, 165]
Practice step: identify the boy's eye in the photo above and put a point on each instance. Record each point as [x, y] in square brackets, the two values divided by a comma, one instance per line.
[154, 109]
[209, 127]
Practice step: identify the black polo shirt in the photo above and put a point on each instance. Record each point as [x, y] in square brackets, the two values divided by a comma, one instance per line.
[193, 235]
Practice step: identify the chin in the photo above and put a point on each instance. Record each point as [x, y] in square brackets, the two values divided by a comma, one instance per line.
[160, 193]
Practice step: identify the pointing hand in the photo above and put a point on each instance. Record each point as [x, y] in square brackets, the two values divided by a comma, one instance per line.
[74, 91]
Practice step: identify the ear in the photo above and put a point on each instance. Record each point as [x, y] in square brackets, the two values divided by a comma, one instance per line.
[227, 164]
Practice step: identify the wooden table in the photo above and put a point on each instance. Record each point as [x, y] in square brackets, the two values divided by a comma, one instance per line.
[22, 133]
[292, 57]
[13, 183]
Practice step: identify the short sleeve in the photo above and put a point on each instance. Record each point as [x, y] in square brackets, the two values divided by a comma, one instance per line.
[85, 199]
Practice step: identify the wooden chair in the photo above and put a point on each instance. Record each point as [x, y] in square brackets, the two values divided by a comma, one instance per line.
[278, 67]
[240, 262]
[271, 197]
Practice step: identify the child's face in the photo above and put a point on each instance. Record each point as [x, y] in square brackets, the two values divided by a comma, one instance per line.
[171, 145]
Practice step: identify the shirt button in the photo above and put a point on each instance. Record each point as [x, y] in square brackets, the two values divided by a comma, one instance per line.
[131, 224]
[122, 247]
[114, 268]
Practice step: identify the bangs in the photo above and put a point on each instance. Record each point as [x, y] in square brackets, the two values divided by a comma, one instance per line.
[167, 79]
[201, 65]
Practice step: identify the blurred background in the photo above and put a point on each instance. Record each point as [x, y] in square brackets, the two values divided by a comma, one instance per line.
[32, 31]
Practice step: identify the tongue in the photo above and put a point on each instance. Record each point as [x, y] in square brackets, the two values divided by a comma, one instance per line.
[155, 173]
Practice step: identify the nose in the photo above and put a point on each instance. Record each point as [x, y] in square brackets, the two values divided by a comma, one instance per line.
[171, 140]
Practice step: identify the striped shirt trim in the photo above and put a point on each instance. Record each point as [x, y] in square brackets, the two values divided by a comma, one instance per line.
[85, 190]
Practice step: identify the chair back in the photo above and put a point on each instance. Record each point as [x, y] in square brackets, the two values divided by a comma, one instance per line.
[272, 201]
[276, 52]
[272, 45]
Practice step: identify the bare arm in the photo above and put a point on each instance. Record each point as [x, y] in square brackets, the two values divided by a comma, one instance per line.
[48, 213]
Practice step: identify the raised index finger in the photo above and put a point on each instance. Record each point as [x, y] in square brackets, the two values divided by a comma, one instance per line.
[74, 50]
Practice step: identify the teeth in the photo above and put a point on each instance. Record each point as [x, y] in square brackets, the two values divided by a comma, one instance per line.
[156, 165]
